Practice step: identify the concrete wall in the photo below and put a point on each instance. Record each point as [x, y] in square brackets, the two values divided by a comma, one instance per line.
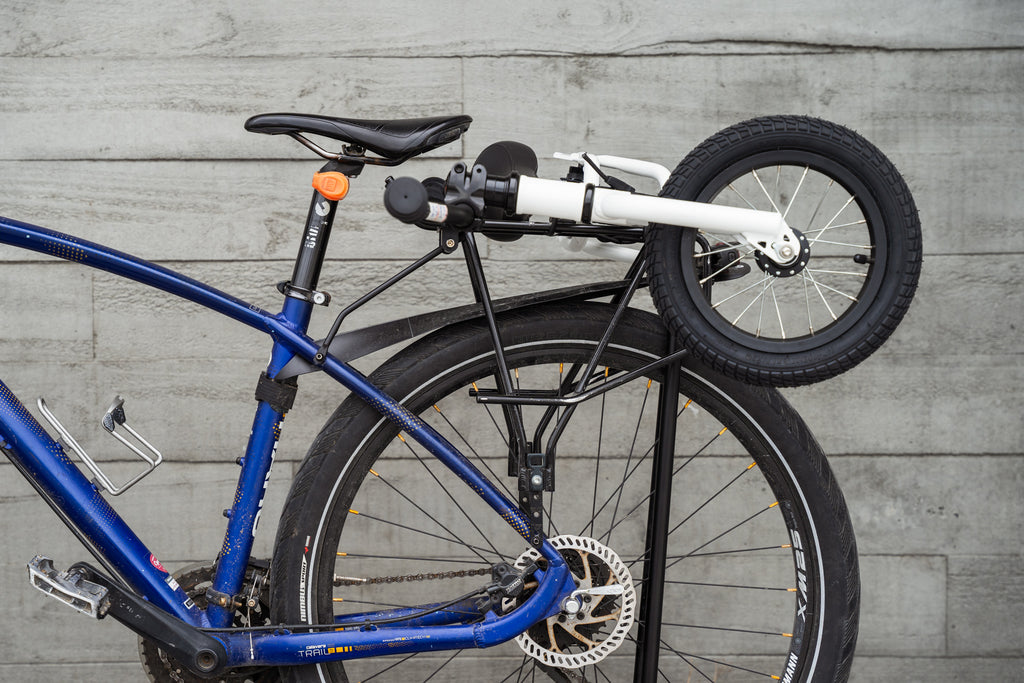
[121, 123]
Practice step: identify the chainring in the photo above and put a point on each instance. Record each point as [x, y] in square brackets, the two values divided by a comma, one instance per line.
[194, 580]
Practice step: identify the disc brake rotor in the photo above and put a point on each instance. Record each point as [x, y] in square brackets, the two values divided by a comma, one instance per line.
[595, 620]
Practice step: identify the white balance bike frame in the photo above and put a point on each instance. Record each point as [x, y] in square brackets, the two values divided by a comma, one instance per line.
[765, 231]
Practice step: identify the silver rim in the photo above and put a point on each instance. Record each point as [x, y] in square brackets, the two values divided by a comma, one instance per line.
[810, 296]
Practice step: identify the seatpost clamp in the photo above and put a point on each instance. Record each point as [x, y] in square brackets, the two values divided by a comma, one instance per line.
[320, 298]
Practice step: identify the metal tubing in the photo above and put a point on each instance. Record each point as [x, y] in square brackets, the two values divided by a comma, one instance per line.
[476, 273]
[620, 309]
[650, 611]
[44, 241]
[40, 457]
[26, 443]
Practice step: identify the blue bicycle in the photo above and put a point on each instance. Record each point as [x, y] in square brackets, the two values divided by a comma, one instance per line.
[550, 485]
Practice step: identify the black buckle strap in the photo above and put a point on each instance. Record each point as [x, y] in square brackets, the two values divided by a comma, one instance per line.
[280, 394]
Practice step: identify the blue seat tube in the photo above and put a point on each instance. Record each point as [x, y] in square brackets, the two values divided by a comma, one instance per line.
[244, 514]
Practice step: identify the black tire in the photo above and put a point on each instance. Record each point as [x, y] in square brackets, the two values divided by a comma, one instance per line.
[840, 303]
[778, 547]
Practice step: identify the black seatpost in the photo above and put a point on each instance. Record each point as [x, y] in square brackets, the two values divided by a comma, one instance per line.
[319, 221]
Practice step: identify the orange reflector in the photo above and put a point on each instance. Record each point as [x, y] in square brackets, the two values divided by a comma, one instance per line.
[332, 185]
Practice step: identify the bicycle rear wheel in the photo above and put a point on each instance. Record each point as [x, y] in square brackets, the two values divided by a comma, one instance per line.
[761, 576]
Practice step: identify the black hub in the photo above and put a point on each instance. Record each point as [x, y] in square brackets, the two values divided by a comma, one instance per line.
[772, 268]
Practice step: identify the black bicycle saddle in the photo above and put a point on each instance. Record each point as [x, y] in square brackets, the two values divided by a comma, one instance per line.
[392, 139]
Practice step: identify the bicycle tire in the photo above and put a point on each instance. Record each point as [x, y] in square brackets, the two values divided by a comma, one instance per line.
[845, 295]
[352, 499]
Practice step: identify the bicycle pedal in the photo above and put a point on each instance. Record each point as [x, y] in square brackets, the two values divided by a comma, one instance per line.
[70, 587]
[113, 418]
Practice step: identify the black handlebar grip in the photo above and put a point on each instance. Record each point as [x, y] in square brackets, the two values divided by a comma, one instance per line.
[406, 199]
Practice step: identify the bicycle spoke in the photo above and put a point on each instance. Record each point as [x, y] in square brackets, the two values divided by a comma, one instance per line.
[647, 497]
[805, 276]
[501, 432]
[714, 661]
[597, 459]
[420, 508]
[775, 300]
[493, 477]
[518, 672]
[766, 193]
[731, 630]
[724, 533]
[740, 195]
[735, 551]
[829, 226]
[831, 289]
[867, 247]
[665, 646]
[765, 284]
[705, 584]
[778, 180]
[706, 502]
[450, 496]
[385, 670]
[821, 201]
[443, 665]
[419, 531]
[818, 231]
[837, 272]
[792, 200]
[807, 306]
[769, 285]
[607, 537]
[736, 294]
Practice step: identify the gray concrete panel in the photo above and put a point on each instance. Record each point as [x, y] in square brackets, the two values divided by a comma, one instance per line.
[123, 124]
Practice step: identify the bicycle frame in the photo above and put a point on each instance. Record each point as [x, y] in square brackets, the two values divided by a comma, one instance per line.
[78, 501]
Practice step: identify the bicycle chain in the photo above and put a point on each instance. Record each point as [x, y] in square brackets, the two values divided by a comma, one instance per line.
[432, 576]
